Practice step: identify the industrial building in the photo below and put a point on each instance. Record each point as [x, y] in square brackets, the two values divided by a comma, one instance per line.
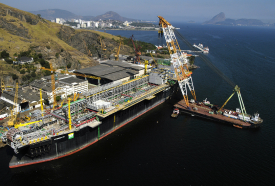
[65, 85]
[112, 71]
[27, 99]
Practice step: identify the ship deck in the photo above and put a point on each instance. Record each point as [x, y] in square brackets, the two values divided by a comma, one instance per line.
[146, 95]
[204, 110]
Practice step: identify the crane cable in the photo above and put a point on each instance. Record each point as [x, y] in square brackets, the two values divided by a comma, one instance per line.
[206, 60]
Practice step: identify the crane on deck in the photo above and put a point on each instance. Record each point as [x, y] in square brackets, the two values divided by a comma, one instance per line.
[137, 50]
[53, 85]
[14, 110]
[178, 59]
[76, 95]
[236, 90]
[41, 103]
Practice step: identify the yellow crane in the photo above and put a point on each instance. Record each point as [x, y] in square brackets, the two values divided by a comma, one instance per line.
[88, 51]
[77, 96]
[3, 86]
[62, 103]
[53, 85]
[117, 54]
[145, 66]
[69, 113]
[41, 103]
[103, 46]
[26, 124]
[178, 59]
[154, 59]
[14, 111]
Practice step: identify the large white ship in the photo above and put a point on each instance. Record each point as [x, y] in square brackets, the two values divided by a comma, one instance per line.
[200, 47]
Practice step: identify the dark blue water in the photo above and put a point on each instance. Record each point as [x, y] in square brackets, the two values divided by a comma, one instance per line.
[158, 150]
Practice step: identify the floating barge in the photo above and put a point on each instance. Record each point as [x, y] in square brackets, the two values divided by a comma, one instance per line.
[226, 116]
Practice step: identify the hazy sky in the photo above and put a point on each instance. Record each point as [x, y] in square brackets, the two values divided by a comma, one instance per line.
[174, 10]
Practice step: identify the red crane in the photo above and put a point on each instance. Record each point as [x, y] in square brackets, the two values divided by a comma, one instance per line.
[137, 50]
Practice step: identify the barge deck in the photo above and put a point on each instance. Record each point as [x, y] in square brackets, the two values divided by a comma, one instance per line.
[206, 112]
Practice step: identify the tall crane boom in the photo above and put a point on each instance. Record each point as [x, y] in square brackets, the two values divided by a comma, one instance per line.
[156, 64]
[178, 59]
[53, 86]
[14, 111]
[137, 49]
[117, 54]
[103, 46]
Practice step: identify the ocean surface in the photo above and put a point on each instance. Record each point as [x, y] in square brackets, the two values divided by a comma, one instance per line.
[158, 150]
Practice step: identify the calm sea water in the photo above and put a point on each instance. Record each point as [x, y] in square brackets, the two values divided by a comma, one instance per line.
[158, 150]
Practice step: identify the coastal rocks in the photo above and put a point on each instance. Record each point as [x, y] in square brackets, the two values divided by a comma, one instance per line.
[87, 41]
[22, 17]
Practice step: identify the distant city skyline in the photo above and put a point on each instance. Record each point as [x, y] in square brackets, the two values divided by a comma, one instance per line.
[174, 10]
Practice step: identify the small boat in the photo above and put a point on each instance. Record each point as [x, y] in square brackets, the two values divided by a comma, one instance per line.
[238, 126]
[175, 113]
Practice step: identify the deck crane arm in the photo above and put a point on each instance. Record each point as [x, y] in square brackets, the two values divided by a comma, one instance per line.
[153, 59]
[137, 49]
[236, 90]
[117, 54]
[78, 94]
[53, 86]
[103, 47]
[178, 59]
[41, 103]
[14, 111]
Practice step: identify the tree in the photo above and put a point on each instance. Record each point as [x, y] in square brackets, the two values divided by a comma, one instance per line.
[14, 76]
[9, 61]
[69, 65]
[33, 74]
[25, 54]
[22, 71]
[58, 98]
[39, 15]
[191, 60]
[5, 54]
[24, 78]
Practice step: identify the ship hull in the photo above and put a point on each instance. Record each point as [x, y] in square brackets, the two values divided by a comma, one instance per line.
[61, 146]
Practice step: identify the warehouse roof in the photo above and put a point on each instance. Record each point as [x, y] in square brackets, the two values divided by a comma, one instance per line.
[71, 80]
[109, 72]
[60, 76]
[46, 86]
[123, 65]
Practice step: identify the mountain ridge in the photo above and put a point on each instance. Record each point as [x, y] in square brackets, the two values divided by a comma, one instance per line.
[51, 14]
[220, 19]
[23, 32]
